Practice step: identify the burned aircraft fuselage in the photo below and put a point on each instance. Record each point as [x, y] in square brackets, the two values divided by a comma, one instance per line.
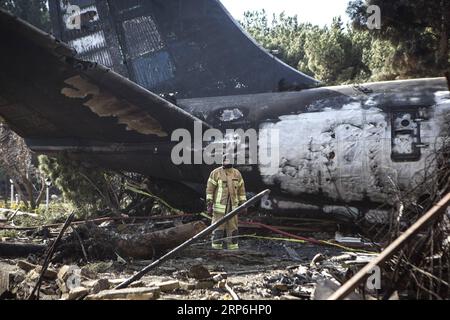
[342, 150]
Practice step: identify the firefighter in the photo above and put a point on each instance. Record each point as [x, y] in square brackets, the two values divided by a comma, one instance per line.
[225, 191]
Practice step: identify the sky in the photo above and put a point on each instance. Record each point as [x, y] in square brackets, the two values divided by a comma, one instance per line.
[319, 12]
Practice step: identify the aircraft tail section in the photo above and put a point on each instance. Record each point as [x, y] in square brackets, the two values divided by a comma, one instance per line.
[49, 97]
[191, 47]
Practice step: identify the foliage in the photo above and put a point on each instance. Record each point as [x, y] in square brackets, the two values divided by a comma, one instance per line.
[16, 161]
[35, 11]
[412, 42]
[87, 188]
[94, 190]
[283, 34]
[9, 234]
[418, 31]
[330, 54]
[333, 55]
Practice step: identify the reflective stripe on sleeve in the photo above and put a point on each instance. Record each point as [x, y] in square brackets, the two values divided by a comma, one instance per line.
[212, 182]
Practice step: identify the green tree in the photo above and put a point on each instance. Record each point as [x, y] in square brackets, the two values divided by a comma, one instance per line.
[417, 30]
[328, 54]
[284, 36]
[17, 162]
[333, 55]
[35, 11]
[87, 188]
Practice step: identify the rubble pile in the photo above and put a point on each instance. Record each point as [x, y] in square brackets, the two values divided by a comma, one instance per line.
[199, 273]
[93, 260]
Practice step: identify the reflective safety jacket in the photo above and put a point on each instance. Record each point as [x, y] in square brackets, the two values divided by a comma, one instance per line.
[225, 185]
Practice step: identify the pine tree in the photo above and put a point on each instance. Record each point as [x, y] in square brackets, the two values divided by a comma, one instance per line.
[419, 31]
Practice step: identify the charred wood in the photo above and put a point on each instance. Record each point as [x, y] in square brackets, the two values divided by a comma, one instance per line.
[100, 243]
[13, 250]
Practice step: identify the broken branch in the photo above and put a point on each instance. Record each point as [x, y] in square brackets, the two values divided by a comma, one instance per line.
[49, 256]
